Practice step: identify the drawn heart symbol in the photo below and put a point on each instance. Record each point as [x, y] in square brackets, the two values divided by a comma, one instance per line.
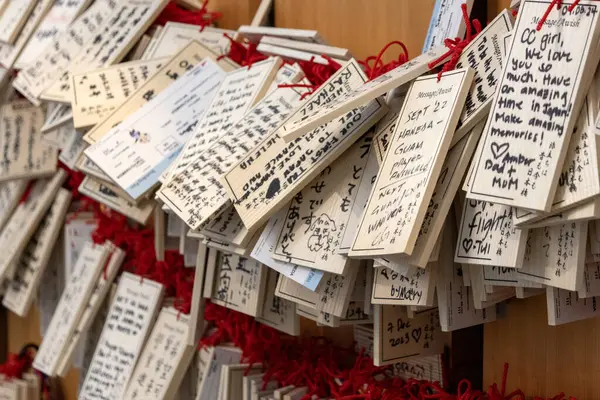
[467, 244]
[499, 150]
[416, 334]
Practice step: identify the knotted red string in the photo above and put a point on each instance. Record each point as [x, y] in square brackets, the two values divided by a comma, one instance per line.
[558, 4]
[316, 73]
[16, 365]
[175, 13]
[456, 46]
[244, 55]
[379, 68]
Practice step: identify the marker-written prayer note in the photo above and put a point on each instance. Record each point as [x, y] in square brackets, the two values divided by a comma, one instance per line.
[263, 249]
[138, 150]
[10, 194]
[105, 193]
[239, 91]
[555, 256]
[55, 22]
[535, 109]
[70, 307]
[55, 58]
[100, 291]
[415, 288]
[484, 55]
[23, 288]
[129, 320]
[239, 283]
[23, 222]
[317, 216]
[398, 338]
[412, 165]
[564, 307]
[98, 93]
[199, 202]
[324, 112]
[172, 70]
[274, 171]
[10, 52]
[13, 17]
[164, 359]
[111, 43]
[24, 153]
[487, 235]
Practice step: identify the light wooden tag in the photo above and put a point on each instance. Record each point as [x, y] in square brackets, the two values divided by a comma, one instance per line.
[77, 232]
[50, 291]
[591, 281]
[408, 175]
[593, 243]
[199, 202]
[208, 387]
[101, 290]
[88, 167]
[61, 136]
[164, 360]
[13, 18]
[565, 307]
[430, 368]
[10, 194]
[72, 151]
[25, 154]
[318, 215]
[292, 54]
[70, 308]
[117, 35]
[446, 22]
[196, 322]
[396, 338]
[8, 389]
[172, 70]
[232, 377]
[555, 256]
[453, 170]
[128, 322]
[23, 289]
[56, 22]
[416, 288]
[61, 115]
[277, 312]
[97, 93]
[262, 252]
[255, 33]
[387, 125]
[487, 236]
[239, 284]
[22, 224]
[315, 48]
[103, 192]
[526, 138]
[502, 276]
[293, 291]
[53, 59]
[584, 212]
[485, 55]
[314, 117]
[239, 91]
[271, 174]
[335, 291]
[176, 35]
[138, 150]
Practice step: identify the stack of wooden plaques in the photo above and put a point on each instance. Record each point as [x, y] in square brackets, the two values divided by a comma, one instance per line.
[408, 205]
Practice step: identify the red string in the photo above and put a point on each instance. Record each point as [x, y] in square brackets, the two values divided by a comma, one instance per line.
[379, 68]
[242, 54]
[457, 45]
[316, 73]
[558, 4]
[175, 13]
[27, 192]
[16, 365]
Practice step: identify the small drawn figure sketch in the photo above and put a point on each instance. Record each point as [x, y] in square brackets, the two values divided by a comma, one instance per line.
[139, 137]
[322, 229]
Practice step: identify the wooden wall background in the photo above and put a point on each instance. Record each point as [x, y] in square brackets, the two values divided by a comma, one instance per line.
[543, 360]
